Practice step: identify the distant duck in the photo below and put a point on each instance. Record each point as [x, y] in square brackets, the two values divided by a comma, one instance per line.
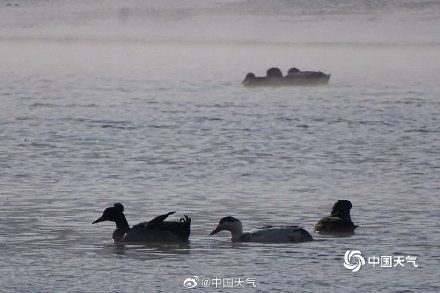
[252, 81]
[156, 230]
[274, 234]
[274, 78]
[297, 77]
[293, 71]
[339, 221]
[274, 72]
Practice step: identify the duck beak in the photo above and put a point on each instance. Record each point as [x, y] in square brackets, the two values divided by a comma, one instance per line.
[100, 219]
[216, 230]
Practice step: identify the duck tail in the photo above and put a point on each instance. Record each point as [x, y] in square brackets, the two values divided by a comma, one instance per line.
[186, 223]
[306, 235]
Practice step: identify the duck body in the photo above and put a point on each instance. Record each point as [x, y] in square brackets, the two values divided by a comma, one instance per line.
[142, 234]
[339, 222]
[276, 234]
[335, 225]
[306, 78]
[294, 77]
[155, 231]
[266, 234]
[258, 81]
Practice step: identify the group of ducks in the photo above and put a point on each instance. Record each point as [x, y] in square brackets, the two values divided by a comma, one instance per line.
[160, 231]
[274, 78]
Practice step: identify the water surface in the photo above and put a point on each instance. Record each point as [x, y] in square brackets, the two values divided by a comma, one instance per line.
[166, 126]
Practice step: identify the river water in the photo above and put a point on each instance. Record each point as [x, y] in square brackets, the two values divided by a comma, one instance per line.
[166, 126]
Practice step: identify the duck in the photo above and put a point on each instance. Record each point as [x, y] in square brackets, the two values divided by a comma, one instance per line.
[156, 230]
[268, 233]
[252, 81]
[297, 77]
[339, 221]
[274, 78]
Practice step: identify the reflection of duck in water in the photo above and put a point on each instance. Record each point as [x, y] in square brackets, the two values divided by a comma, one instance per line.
[274, 77]
[339, 221]
[156, 230]
[272, 234]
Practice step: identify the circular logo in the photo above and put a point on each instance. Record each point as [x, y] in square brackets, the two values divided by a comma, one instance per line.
[353, 260]
[191, 282]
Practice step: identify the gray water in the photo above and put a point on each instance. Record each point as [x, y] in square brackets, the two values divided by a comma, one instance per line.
[166, 126]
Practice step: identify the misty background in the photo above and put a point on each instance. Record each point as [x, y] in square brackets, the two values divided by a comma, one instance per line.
[220, 41]
[403, 21]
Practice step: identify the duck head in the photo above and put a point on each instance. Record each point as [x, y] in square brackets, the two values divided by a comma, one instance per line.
[249, 77]
[230, 224]
[113, 214]
[274, 72]
[292, 71]
[342, 209]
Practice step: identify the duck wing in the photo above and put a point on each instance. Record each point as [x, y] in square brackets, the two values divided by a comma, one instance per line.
[160, 231]
[180, 228]
[153, 224]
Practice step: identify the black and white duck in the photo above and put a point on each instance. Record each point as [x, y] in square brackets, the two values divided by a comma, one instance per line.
[269, 234]
[155, 231]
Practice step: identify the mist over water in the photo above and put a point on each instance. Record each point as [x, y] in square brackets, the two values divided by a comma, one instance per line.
[141, 102]
[228, 21]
